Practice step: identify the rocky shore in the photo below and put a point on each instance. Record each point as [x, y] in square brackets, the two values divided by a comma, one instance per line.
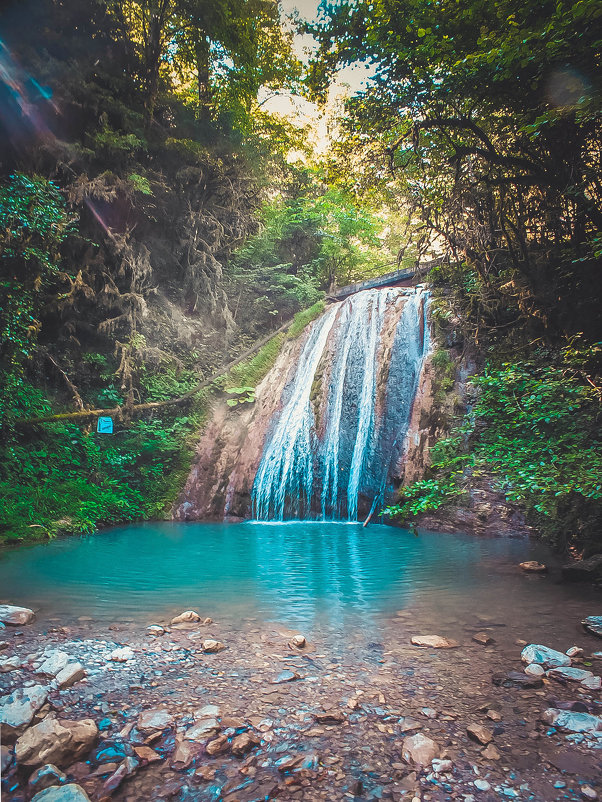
[197, 710]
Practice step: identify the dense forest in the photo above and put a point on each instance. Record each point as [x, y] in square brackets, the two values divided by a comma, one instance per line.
[156, 221]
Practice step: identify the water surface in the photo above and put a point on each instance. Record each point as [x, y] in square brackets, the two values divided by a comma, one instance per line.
[305, 574]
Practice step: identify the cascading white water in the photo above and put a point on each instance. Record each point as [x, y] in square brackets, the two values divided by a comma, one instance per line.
[303, 473]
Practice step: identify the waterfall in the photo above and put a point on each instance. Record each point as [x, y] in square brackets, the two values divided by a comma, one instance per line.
[345, 412]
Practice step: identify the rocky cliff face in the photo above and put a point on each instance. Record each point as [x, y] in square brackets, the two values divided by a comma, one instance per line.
[332, 423]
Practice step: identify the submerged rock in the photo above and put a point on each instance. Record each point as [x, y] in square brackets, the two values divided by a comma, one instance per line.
[55, 741]
[16, 616]
[434, 642]
[533, 567]
[419, 750]
[516, 679]
[544, 656]
[187, 617]
[18, 709]
[583, 570]
[483, 638]
[211, 646]
[593, 624]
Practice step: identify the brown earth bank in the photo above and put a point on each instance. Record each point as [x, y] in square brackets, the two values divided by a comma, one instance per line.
[250, 711]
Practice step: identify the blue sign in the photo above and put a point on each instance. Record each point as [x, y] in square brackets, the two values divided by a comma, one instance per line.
[104, 426]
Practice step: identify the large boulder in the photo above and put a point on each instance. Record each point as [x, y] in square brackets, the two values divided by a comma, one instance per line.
[17, 616]
[419, 750]
[544, 656]
[62, 793]
[583, 570]
[56, 741]
[18, 709]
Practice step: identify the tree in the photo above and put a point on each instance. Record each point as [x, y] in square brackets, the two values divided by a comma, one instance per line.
[487, 115]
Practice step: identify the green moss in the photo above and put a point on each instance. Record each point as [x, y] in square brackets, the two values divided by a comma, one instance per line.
[254, 369]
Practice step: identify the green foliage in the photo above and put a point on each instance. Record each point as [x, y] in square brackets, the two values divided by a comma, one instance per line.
[34, 222]
[535, 427]
[140, 183]
[242, 395]
[304, 318]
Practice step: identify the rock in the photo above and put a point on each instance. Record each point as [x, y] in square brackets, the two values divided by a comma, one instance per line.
[6, 758]
[442, 766]
[575, 651]
[4, 644]
[122, 654]
[243, 743]
[285, 676]
[211, 646]
[146, 753]
[127, 767]
[45, 777]
[516, 679]
[533, 567]
[493, 715]
[592, 683]
[55, 741]
[572, 721]
[184, 754]
[200, 731]
[153, 720]
[18, 709]
[205, 773]
[534, 670]
[156, 630]
[583, 570]
[62, 793]
[483, 638]
[55, 661]
[490, 752]
[482, 785]
[187, 617]
[587, 792]
[479, 733]
[565, 674]
[208, 711]
[218, 746]
[593, 624]
[419, 750]
[16, 616]
[331, 717]
[72, 673]
[544, 656]
[10, 664]
[434, 642]
[298, 642]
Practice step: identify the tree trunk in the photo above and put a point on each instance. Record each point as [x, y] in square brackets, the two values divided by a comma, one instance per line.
[203, 78]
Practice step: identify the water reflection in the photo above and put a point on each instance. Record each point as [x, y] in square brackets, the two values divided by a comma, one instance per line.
[300, 573]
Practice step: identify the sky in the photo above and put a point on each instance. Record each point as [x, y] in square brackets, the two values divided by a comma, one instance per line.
[300, 110]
